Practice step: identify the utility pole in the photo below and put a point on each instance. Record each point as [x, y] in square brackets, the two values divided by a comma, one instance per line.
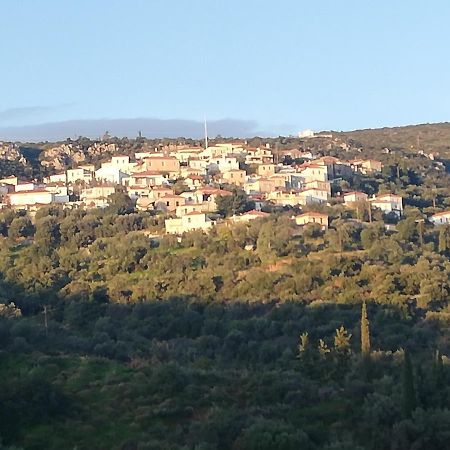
[206, 134]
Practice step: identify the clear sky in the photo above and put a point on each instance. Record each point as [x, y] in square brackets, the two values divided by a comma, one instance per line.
[287, 65]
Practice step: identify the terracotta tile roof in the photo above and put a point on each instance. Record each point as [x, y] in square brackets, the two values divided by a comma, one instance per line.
[354, 192]
[39, 190]
[381, 196]
[442, 213]
[171, 196]
[313, 214]
[213, 191]
[254, 212]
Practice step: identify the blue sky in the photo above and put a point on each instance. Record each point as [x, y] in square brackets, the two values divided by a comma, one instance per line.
[283, 65]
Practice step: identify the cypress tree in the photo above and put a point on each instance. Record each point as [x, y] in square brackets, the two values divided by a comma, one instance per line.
[438, 369]
[365, 333]
[305, 352]
[303, 346]
[442, 240]
[409, 394]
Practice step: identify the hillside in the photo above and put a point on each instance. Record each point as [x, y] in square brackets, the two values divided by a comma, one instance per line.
[429, 138]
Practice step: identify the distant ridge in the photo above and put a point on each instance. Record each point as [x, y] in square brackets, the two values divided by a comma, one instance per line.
[429, 137]
[150, 127]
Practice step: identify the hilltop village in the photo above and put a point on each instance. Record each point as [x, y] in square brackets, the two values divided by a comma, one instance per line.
[186, 184]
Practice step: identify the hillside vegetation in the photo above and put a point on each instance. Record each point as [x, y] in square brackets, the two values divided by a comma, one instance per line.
[429, 138]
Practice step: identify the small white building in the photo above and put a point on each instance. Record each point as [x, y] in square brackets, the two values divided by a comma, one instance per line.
[351, 198]
[314, 195]
[41, 196]
[79, 174]
[11, 180]
[111, 175]
[388, 203]
[121, 162]
[250, 215]
[27, 186]
[56, 178]
[135, 192]
[147, 178]
[313, 172]
[223, 164]
[312, 217]
[188, 208]
[265, 170]
[285, 198]
[305, 134]
[97, 196]
[188, 222]
[440, 218]
[235, 176]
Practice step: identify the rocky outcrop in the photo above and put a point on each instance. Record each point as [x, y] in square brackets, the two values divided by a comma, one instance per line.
[11, 152]
[61, 156]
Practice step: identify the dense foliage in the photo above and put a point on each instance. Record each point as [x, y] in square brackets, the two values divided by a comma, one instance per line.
[246, 338]
[256, 336]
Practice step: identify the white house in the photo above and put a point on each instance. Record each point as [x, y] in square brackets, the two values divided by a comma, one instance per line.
[26, 186]
[312, 217]
[354, 197]
[188, 208]
[440, 218]
[285, 198]
[314, 195]
[121, 162]
[265, 170]
[235, 176]
[147, 178]
[11, 180]
[188, 222]
[388, 203]
[223, 164]
[97, 196]
[56, 178]
[135, 192]
[41, 196]
[111, 175]
[79, 174]
[198, 164]
[260, 185]
[250, 215]
[313, 172]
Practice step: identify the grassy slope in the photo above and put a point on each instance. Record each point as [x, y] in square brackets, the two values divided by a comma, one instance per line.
[433, 138]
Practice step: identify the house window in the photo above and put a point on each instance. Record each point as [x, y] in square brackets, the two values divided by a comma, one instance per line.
[189, 220]
[177, 203]
[168, 203]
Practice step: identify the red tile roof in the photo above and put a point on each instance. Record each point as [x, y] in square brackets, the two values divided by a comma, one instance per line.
[254, 212]
[313, 214]
[39, 190]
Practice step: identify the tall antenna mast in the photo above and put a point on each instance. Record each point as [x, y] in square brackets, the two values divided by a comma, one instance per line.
[206, 134]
